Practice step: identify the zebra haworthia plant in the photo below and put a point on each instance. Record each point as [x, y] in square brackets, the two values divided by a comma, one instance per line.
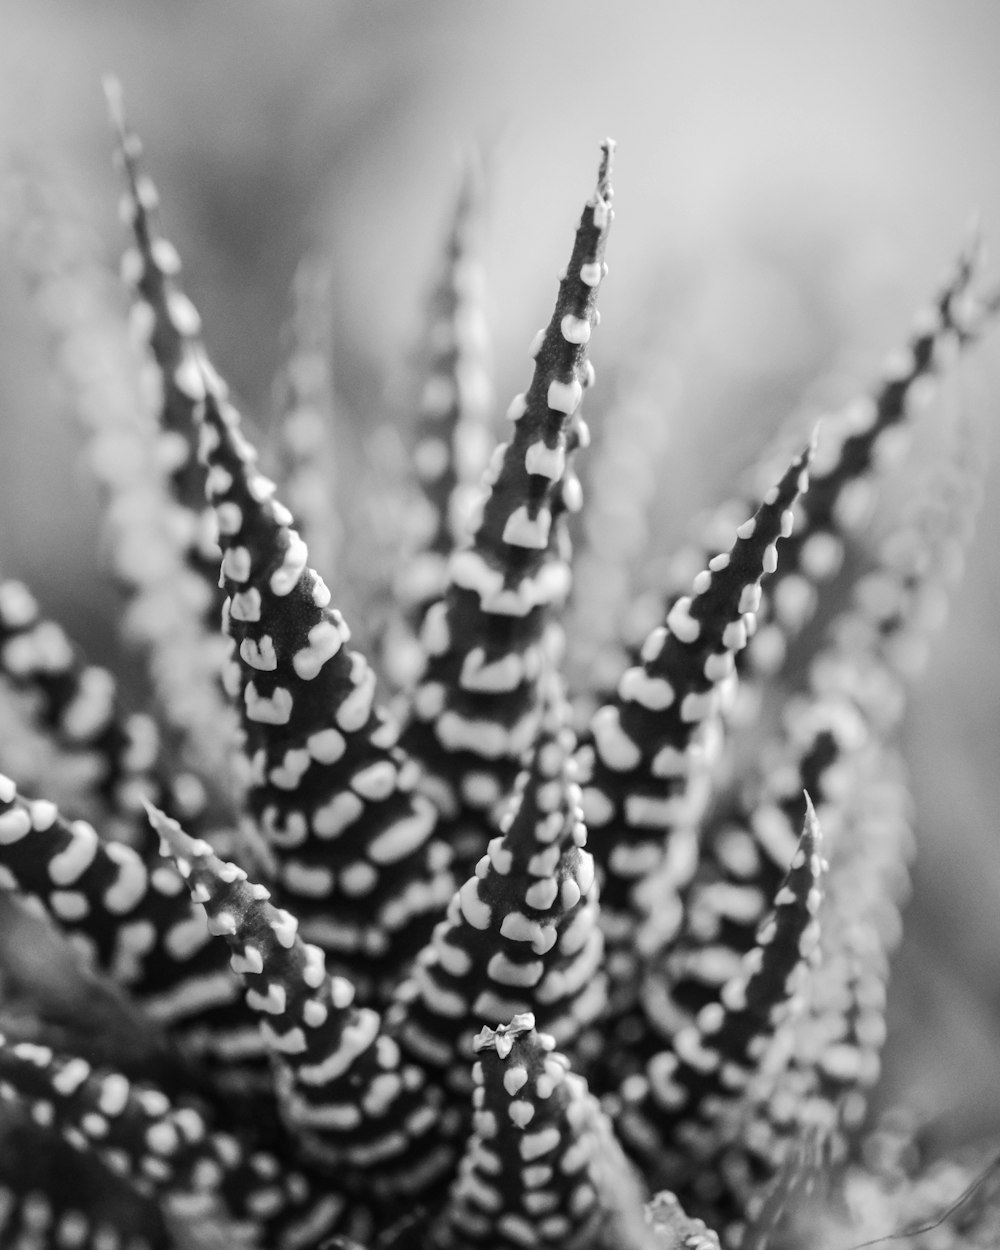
[467, 963]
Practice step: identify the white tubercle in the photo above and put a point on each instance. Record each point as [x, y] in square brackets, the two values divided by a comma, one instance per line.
[275, 709]
[654, 693]
[245, 605]
[230, 517]
[285, 578]
[670, 762]
[523, 530]
[575, 329]
[259, 653]
[545, 461]
[502, 674]
[353, 713]
[590, 274]
[602, 214]
[564, 396]
[734, 636]
[681, 623]
[470, 571]
[68, 865]
[648, 812]
[614, 746]
[236, 564]
[517, 408]
[183, 314]
[653, 644]
[746, 530]
[324, 642]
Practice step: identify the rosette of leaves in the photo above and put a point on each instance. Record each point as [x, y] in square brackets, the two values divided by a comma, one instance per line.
[449, 969]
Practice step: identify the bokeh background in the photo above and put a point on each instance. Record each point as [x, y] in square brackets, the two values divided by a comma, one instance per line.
[791, 181]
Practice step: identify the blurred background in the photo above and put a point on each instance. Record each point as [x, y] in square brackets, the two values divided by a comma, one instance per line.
[791, 182]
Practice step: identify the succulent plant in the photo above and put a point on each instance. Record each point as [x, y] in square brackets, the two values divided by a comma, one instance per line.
[483, 959]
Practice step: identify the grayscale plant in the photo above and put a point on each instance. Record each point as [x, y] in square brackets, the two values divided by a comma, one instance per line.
[476, 959]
